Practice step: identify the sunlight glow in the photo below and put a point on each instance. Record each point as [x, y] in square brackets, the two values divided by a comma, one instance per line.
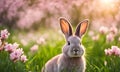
[108, 4]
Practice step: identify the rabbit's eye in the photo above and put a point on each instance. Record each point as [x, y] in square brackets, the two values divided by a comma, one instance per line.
[68, 43]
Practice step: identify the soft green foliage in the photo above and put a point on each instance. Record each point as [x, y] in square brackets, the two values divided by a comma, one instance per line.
[96, 59]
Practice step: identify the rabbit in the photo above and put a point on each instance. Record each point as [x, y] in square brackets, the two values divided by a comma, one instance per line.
[72, 57]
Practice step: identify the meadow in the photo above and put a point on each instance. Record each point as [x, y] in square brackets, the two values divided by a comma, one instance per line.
[30, 33]
[51, 44]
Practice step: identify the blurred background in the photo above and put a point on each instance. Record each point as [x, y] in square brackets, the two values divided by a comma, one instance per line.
[34, 24]
[35, 14]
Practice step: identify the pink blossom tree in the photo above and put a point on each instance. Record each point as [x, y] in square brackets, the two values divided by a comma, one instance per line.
[9, 11]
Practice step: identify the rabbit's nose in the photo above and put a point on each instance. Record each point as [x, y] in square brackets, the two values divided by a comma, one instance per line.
[76, 50]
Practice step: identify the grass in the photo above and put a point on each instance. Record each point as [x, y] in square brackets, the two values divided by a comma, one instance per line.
[96, 59]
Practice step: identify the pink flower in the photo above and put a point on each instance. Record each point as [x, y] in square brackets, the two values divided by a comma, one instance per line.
[4, 34]
[114, 30]
[11, 7]
[15, 55]
[41, 40]
[15, 45]
[34, 48]
[91, 33]
[10, 48]
[110, 37]
[113, 51]
[23, 58]
[95, 38]
[108, 51]
[103, 30]
[24, 42]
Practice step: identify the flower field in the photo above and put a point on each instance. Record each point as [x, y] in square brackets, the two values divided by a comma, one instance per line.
[30, 33]
[102, 53]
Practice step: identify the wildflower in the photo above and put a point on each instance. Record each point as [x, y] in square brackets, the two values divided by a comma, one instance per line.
[91, 33]
[95, 38]
[114, 30]
[4, 34]
[108, 51]
[110, 37]
[15, 55]
[103, 30]
[41, 40]
[15, 45]
[24, 42]
[113, 51]
[23, 58]
[10, 48]
[34, 48]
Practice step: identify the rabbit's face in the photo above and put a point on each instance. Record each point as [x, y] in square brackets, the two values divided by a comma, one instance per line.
[73, 48]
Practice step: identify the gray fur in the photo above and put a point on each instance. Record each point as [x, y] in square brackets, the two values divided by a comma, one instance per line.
[72, 57]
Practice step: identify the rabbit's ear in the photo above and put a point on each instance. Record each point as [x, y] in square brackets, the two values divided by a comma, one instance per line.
[65, 27]
[81, 28]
